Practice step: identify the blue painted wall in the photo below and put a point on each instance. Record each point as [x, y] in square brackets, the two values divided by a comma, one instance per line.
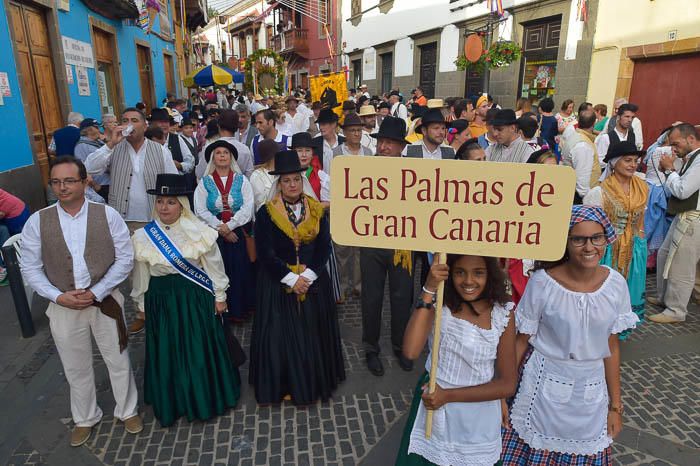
[74, 24]
[16, 150]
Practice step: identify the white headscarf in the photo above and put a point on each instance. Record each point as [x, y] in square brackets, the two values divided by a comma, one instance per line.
[275, 189]
[609, 168]
[211, 167]
[193, 227]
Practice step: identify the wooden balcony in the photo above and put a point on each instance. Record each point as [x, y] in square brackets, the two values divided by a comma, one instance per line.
[291, 41]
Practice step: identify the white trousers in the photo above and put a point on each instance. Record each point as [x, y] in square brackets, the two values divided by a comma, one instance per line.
[71, 332]
[677, 290]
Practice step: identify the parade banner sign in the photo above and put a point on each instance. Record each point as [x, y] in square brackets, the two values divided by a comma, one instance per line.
[331, 90]
[463, 207]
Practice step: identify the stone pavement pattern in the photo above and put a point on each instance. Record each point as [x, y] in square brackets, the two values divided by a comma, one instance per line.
[362, 424]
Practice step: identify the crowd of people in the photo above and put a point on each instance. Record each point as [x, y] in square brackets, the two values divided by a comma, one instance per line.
[216, 212]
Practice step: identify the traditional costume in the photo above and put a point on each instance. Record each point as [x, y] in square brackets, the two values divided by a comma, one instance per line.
[628, 255]
[295, 346]
[229, 199]
[463, 434]
[559, 414]
[178, 275]
[89, 250]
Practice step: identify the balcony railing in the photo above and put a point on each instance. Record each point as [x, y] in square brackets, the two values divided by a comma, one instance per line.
[292, 40]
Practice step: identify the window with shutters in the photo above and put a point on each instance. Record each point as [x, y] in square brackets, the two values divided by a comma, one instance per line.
[539, 61]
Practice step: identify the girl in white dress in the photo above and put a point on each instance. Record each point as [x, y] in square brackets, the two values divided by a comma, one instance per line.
[568, 407]
[476, 365]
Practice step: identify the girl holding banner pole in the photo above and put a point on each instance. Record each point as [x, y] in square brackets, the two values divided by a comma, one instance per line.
[180, 282]
[568, 407]
[476, 365]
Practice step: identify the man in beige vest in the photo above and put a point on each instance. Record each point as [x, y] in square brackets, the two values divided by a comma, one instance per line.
[75, 253]
[579, 152]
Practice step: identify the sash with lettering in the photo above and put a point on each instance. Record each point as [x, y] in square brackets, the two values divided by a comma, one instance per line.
[166, 247]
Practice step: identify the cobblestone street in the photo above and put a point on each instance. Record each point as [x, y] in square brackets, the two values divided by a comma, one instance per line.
[361, 425]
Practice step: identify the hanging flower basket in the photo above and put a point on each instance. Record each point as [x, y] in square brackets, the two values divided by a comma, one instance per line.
[276, 69]
[500, 54]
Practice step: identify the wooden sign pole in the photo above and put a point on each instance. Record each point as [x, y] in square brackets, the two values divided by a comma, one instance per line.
[440, 258]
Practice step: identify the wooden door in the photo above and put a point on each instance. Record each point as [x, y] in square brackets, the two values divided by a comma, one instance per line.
[662, 89]
[143, 59]
[169, 73]
[38, 80]
[428, 64]
[104, 46]
[387, 71]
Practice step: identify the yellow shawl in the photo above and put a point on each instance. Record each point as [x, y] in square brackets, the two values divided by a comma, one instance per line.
[626, 212]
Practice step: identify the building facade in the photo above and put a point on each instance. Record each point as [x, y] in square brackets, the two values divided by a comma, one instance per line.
[401, 44]
[652, 58]
[86, 56]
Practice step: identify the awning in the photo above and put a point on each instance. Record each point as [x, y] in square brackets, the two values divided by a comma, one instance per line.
[242, 21]
[113, 9]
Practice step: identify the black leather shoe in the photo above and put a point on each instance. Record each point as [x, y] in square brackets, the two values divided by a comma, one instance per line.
[405, 363]
[374, 364]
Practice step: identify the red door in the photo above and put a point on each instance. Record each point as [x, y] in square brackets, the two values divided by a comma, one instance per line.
[663, 88]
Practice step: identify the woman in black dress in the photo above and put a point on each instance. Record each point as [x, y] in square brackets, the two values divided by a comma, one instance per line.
[295, 350]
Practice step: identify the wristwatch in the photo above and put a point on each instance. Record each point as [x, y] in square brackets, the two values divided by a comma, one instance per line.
[669, 171]
[620, 409]
[420, 304]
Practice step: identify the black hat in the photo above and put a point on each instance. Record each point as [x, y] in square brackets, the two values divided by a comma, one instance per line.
[349, 105]
[392, 128]
[186, 122]
[327, 116]
[220, 143]
[621, 149]
[303, 139]
[168, 184]
[432, 115]
[384, 105]
[287, 161]
[505, 117]
[352, 119]
[291, 97]
[536, 155]
[418, 111]
[88, 122]
[159, 114]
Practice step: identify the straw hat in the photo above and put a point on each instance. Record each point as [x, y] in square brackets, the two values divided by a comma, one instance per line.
[367, 110]
[436, 103]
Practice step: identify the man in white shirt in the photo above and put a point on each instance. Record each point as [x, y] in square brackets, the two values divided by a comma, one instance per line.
[579, 152]
[181, 154]
[364, 91]
[369, 126]
[133, 162]
[509, 145]
[434, 130]
[221, 98]
[398, 109]
[352, 131]
[246, 130]
[329, 138]
[636, 123]
[679, 256]
[75, 253]
[298, 121]
[266, 124]
[257, 104]
[622, 131]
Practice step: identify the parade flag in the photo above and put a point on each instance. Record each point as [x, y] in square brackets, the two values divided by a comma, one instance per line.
[331, 90]
[482, 208]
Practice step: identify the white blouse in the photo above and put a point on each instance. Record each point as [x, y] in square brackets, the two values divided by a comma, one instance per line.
[464, 433]
[261, 181]
[242, 216]
[569, 325]
[149, 262]
[562, 400]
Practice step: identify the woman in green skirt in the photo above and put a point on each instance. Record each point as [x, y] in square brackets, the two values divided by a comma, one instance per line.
[180, 283]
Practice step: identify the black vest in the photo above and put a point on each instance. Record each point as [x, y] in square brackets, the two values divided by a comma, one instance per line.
[677, 206]
[174, 146]
[615, 139]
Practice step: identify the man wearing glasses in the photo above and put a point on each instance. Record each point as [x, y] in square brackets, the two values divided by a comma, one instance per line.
[75, 253]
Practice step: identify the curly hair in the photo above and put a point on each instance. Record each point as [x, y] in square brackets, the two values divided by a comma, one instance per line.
[495, 290]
